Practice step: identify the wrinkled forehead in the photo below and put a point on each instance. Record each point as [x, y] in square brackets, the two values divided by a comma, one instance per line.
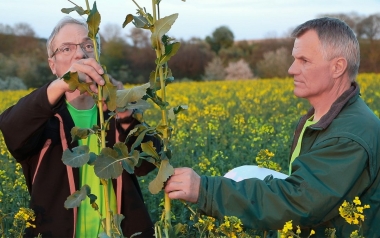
[70, 33]
[308, 41]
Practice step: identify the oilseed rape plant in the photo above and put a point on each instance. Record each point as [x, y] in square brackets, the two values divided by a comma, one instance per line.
[227, 124]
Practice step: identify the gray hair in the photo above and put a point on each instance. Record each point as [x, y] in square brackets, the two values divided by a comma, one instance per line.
[337, 40]
[63, 22]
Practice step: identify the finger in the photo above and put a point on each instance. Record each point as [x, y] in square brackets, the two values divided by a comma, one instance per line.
[177, 195]
[89, 69]
[92, 62]
[183, 170]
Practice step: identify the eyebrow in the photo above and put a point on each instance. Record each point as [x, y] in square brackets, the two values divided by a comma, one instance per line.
[84, 40]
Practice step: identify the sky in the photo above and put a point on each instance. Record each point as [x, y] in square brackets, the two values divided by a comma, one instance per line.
[247, 19]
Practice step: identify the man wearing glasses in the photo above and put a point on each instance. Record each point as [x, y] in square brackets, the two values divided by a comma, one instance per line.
[37, 131]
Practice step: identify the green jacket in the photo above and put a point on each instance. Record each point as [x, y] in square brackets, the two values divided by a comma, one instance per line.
[339, 159]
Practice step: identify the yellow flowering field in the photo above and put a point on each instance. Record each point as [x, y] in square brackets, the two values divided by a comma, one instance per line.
[227, 124]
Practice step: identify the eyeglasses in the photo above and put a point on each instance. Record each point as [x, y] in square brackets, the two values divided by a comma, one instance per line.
[69, 49]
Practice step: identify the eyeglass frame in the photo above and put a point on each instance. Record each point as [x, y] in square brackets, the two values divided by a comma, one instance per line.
[76, 46]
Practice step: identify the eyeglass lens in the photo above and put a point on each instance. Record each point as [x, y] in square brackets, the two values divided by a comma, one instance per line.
[68, 49]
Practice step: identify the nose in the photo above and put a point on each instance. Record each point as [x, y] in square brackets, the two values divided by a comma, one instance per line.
[80, 53]
[292, 68]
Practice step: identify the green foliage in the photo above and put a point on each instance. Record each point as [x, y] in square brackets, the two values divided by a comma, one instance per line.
[221, 38]
[12, 83]
[76, 198]
[221, 129]
[165, 171]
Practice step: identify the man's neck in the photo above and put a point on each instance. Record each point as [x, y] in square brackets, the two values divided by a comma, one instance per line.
[80, 101]
[323, 104]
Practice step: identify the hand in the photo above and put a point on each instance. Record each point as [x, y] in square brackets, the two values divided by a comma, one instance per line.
[89, 71]
[183, 184]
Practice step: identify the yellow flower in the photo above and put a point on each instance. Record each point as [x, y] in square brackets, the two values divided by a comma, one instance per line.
[312, 232]
[287, 227]
[210, 226]
[298, 230]
[357, 201]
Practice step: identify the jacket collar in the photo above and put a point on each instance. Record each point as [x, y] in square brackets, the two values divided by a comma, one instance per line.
[349, 96]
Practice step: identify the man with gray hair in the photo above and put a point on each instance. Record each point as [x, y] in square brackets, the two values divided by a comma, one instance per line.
[37, 131]
[335, 155]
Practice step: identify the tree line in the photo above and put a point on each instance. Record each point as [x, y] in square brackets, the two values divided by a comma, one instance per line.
[130, 59]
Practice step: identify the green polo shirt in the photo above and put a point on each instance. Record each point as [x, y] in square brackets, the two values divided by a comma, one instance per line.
[88, 221]
[297, 150]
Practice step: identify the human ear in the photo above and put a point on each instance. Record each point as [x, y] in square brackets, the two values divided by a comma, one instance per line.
[339, 67]
[52, 65]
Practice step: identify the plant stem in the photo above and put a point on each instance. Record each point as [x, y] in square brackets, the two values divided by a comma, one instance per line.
[164, 123]
[102, 138]
[167, 214]
[108, 212]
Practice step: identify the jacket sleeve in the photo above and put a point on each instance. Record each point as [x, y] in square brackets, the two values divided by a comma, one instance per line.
[22, 124]
[333, 171]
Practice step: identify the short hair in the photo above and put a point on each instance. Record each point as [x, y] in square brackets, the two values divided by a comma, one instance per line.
[63, 22]
[337, 40]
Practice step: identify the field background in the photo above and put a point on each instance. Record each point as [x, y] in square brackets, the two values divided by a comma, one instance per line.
[226, 125]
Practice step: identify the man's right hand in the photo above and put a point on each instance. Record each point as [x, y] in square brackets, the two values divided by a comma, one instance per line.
[183, 184]
[88, 70]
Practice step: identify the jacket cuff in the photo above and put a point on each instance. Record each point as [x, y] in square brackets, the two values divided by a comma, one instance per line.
[202, 197]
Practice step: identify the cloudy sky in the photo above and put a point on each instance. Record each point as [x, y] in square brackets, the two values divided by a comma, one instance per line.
[247, 19]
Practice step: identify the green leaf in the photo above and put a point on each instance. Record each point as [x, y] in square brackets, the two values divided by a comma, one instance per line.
[121, 149]
[92, 198]
[125, 96]
[76, 158]
[117, 219]
[78, 9]
[161, 27]
[93, 22]
[79, 133]
[72, 79]
[130, 162]
[107, 165]
[92, 159]
[170, 50]
[138, 115]
[171, 115]
[140, 22]
[127, 20]
[76, 198]
[180, 109]
[149, 149]
[109, 93]
[140, 105]
[139, 138]
[165, 171]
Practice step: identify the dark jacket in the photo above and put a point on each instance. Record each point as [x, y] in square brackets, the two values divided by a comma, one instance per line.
[339, 159]
[35, 134]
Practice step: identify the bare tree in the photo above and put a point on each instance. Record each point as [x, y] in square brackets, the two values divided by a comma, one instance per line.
[111, 32]
[275, 63]
[23, 29]
[369, 27]
[238, 70]
[214, 70]
[6, 29]
[139, 37]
